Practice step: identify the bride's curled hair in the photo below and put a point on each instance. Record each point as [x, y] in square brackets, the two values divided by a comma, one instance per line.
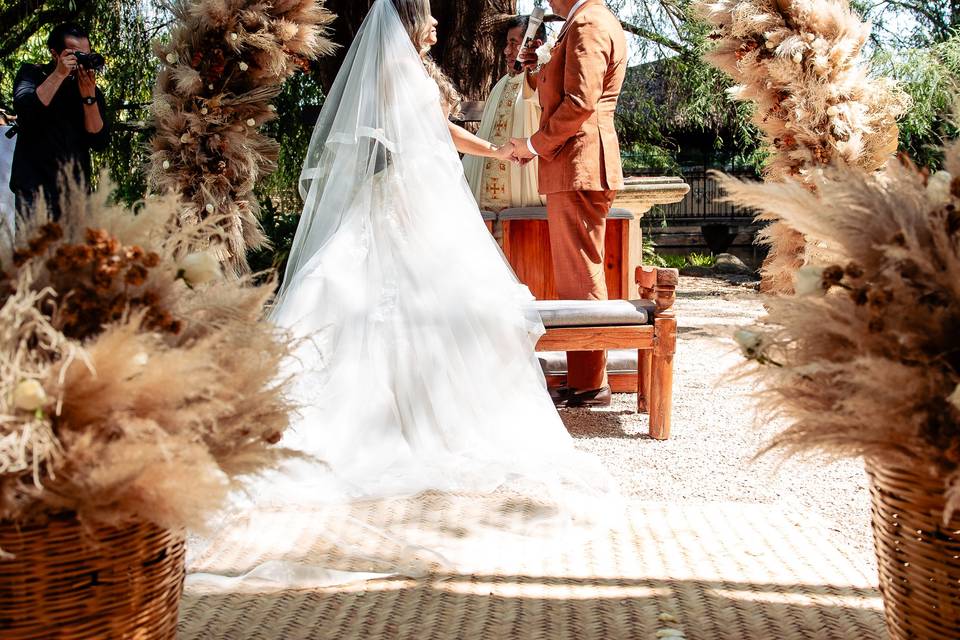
[415, 16]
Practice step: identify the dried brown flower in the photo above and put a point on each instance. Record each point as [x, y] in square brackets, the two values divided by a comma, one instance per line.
[205, 87]
[875, 372]
[801, 63]
[159, 394]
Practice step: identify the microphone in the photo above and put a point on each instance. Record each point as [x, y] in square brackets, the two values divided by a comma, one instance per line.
[536, 19]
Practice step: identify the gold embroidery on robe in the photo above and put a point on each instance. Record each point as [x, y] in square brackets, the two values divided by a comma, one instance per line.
[495, 184]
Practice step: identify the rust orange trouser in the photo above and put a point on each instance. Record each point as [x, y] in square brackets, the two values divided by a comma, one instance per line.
[578, 222]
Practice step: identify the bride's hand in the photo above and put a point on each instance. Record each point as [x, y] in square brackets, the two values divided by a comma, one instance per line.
[504, 152]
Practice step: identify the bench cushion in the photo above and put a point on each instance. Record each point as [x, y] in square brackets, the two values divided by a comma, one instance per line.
[540, 213]
[594, 313]
[618, 361]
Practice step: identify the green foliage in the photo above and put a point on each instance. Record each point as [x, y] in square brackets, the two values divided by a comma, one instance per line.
[293, 133]
[650, 256]
[645, 157]
[907, 24]
[674, 109]
[702, 260]
[931, 76]
[674, 262]
[124, 35]
[280, 228]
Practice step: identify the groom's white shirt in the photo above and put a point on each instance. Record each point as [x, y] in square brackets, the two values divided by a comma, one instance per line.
[573, 10]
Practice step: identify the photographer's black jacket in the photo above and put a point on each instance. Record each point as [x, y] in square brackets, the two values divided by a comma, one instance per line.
[50, 137]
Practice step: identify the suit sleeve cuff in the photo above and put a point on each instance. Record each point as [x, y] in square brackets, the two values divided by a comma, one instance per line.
[530, 147]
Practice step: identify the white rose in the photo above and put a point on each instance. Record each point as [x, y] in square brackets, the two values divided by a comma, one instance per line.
[798, 57]
[251, 122]
[172, 57]
[243, 66]
[234, 37]
[545, 51]
[809, 282]
[166, 165]
[272, 107]
[185, 138]
[833, 110]
[141, 359]
[199, 268]
[938, 188]
[750, 342]
[29, 396]
[209, 208]
[204, 111]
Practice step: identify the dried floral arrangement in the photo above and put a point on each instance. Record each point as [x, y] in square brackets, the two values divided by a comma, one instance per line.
[223, 63]
[135, 381]
[865, 359]
[800, 63]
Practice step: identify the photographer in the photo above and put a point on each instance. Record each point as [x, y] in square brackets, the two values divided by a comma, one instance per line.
[61, 116]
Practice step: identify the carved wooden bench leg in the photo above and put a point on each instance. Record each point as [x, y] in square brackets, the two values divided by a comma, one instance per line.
[661, 383]
[644, 371]
[659, 285]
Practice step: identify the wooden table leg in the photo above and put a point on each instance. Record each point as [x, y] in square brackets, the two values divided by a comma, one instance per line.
[661, 384]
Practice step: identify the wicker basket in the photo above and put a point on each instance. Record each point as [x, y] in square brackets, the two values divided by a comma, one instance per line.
[917, 556]
[65, 581]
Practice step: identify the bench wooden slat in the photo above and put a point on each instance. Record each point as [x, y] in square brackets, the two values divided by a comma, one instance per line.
[597, 338]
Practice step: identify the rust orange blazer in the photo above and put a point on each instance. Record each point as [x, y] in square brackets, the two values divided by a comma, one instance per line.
[579, 87]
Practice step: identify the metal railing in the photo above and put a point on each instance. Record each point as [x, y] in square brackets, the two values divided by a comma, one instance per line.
[705, 201]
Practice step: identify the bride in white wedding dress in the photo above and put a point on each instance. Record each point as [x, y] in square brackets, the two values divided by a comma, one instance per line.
[416, 375]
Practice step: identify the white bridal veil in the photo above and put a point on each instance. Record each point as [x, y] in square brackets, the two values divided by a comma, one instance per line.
[427, 436]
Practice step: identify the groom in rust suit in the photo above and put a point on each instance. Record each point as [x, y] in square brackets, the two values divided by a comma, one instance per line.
[580, 172]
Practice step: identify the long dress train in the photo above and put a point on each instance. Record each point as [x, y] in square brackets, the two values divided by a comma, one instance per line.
[421, 396]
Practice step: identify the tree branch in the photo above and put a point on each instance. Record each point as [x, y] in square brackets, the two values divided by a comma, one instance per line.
[638, 31]
[655, 38]
[26, 19]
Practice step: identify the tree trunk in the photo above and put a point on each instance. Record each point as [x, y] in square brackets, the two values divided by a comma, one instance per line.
[470, 33]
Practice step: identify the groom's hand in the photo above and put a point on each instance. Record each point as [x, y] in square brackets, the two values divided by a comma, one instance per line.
[521, 150]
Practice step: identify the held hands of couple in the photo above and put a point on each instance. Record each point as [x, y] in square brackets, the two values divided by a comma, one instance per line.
[503, 152]
[516, 150]
[521, 151]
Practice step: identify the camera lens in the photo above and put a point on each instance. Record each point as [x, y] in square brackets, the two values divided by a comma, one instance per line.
[91, 61]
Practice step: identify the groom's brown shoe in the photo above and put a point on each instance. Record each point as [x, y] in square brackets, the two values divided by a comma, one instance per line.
[590, 398]
[559, 395]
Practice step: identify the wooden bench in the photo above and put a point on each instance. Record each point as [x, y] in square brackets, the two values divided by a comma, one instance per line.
[647, 325]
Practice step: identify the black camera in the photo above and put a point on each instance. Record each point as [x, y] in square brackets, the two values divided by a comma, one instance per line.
[90, 61]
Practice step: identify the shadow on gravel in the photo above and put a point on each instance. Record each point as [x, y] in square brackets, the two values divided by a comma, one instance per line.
[603, 424]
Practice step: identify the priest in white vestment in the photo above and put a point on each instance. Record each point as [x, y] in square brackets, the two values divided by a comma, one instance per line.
[511, 111]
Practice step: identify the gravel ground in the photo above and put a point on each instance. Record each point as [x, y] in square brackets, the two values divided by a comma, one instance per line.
[716, 432]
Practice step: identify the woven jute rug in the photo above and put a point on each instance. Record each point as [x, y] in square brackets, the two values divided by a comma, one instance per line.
[713, 572]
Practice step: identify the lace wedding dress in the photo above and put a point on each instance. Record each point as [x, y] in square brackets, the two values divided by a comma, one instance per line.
[416, 375]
